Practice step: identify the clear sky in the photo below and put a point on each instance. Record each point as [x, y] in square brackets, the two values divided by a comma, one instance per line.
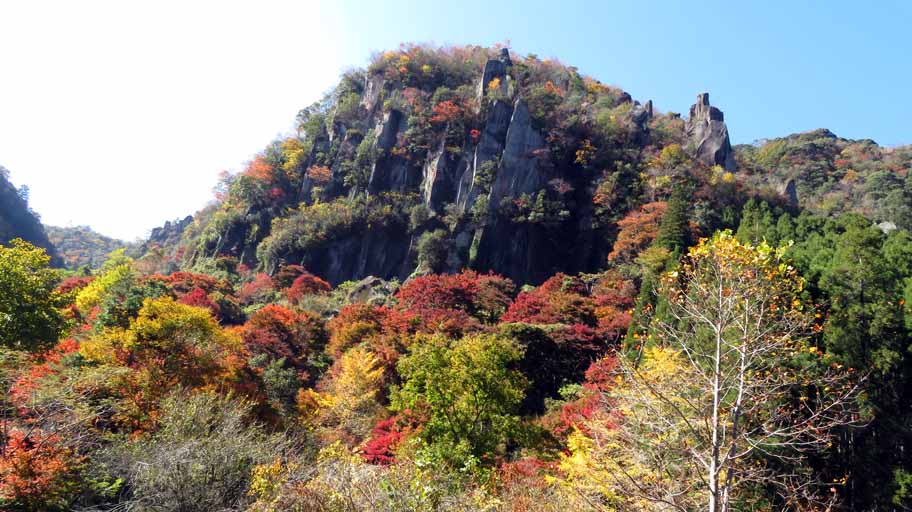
[119, 115]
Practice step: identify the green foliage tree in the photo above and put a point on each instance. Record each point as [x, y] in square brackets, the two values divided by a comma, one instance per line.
[432, 250]
[673, 230]
[29, 315]
[469, 388]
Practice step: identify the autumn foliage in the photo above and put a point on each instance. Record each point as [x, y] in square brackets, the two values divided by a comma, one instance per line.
[279, 332]
[637, 230]
[458, 302]
[36, 470]
[306, 284]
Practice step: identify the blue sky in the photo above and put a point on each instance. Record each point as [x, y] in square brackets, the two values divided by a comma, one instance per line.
[120, 115]
[773, 67]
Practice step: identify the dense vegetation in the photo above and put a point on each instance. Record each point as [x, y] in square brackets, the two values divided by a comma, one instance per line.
[80, 246]
[721, 343]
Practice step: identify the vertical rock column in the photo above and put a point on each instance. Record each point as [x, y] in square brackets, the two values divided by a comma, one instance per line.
[709, 135]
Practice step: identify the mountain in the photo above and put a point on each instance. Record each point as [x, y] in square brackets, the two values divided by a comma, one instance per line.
[17, 220]
[438, 159]
[441, 159]
[80, 246]
[829, 175]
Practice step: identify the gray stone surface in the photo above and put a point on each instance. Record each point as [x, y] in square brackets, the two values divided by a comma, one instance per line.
[709, 135]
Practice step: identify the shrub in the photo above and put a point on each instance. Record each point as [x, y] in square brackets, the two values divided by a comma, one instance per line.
[200, 459]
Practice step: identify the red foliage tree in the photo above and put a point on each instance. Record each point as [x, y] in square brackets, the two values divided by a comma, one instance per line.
[199, 298]
[49, 364]
[446, 111]
[259, 289]
[455, 303]
[279, 332]
[355, 323]
[320, 173]
[573, 414]
[74, 283]
[182, 283]
[384, 440]
[259, 169]
[559, 300]
[388, 435]
[287, 274]
[306, 284]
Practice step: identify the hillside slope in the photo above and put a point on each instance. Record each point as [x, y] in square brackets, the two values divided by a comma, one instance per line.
[81, 246]
[17, 220]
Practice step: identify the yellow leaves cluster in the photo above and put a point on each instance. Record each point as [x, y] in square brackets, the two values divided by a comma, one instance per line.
[95, 292]
[350, 401]
[269, 485]
[606, 455]
[721, 176]
[732, 260]
[293, 154]
[585, 153]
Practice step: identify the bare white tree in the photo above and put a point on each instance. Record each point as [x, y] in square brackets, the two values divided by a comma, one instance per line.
[740, 397]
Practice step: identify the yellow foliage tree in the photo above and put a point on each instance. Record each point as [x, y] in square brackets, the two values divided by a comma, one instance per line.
[116, 274]
[643, 466]
[349, 405]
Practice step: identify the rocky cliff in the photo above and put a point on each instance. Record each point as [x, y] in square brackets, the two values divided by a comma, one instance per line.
[442, 159]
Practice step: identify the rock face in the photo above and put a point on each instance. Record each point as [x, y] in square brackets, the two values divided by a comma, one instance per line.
[490, 146]
[520, 172]
[709, 135]
[494, 68]
[508, 159]
[391, 172]
[441, 177]
[171, 232]
[790, 190]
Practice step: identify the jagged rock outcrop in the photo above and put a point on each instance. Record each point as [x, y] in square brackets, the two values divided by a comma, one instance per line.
[372, 290]
[170, 232]
[709, 135]
[520, 170]
[490, 146]
[378, 252]
[494, 68]
[164, 237]
[502, 179]
[519, 252]
[372, 93]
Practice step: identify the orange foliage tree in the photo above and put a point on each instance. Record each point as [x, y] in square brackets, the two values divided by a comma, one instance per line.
[36, 472]
[637, 230]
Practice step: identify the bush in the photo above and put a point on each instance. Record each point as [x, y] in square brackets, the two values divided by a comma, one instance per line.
[199, 460]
